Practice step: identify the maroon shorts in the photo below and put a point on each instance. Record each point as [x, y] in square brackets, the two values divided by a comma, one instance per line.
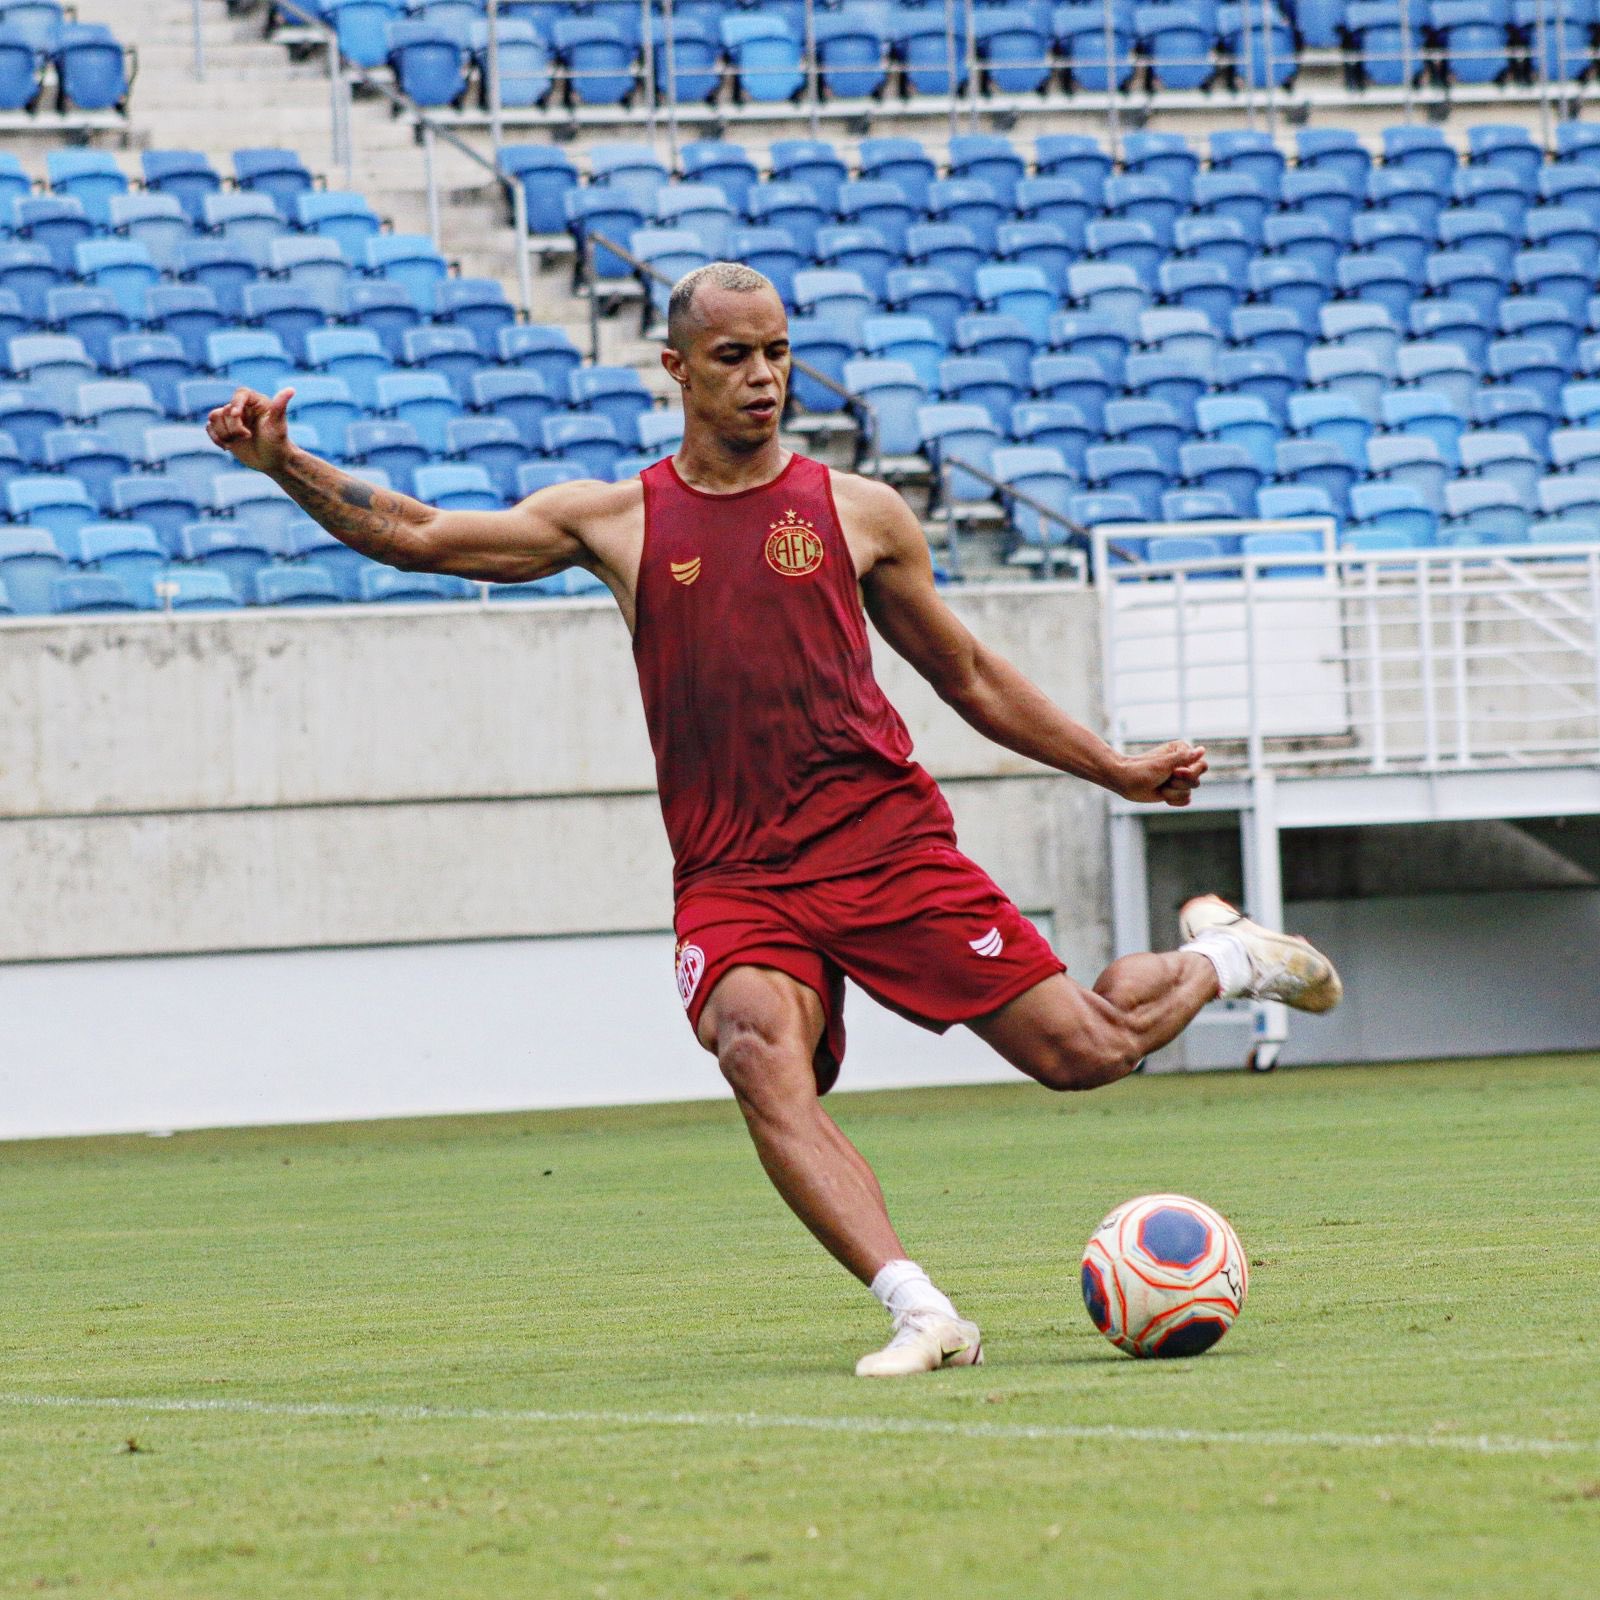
[927, 934]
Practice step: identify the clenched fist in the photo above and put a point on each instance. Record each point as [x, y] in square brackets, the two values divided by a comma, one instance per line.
[253, 429]
[1168, 775]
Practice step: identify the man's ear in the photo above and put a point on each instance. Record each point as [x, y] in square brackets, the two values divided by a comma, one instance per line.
[676, 367]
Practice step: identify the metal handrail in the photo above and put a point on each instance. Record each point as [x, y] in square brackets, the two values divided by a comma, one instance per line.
[861, 410]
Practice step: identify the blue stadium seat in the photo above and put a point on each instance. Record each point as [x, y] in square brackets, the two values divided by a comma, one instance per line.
[827, 349]
[275, 172]
[1260, 45]
[597, 58]
[1394, 509]
[30, 563]
[1059, 201]
[1510, 408]
[765, 58]
[616, 393]
[53, 364]
[356, 356]
[458, 486]
[1408, 192]
[1404, 238]
[1412, 460]
[1195, 505]
[922, 45]
[1233, 194]
[1036, 244]
[386, 586]
[410, 260]
[957, 436]
[1093, 334]
[1172, 379]
[791, 207]
[1278, 502]
[589, 441]
[1545, 318]
[230, 549]
[1389, 41]
[27, 271]
[1107, 289]
[304, 584]
[1121, 241]
[156, 221]
[852, 53]
[255, 358]
[1307, 238]
[1528, 364]
[1506, 458]
[977, 380]
[894, 393]
[91, 177]
[1202, 286]
[186, 175]
[1425, 413]
[1241, 420]
[863, 252]
[836, 297]
[424, 399]
[815, 165]
[1153, 423]
[290, 311]
[1041, 474]
[1013, 46]
[1099, 50]
[1318, 463]
[430, 63]
[1131, 470]
[1425, 150]
[127, 551]
[90, 592]
[1344, 370]
[449, 351]
[1182, 334]
[1333, 418]
[21, 71]
[1018, 291]
[727, 166]
[1478, 510]
[1226, 469]
[325, 404]
[489, 443]
[344, 218]
[1218, 240]
[518, 396]
[1325, 190]
[546, 175]
[901, 161]
[92, 458]
[250, 221]
[1362, 325]
[58, 222]
[946, 247]
[771, 251]
[691, 71]
[878, 204]
[1056, 425]
[1261, 374]
[1076, 380]
[1472, 34]
[255, 502]
[57, 504]
[1177, 42]
[91, 68]
[900, 337]
[389, 446]
[218, 266]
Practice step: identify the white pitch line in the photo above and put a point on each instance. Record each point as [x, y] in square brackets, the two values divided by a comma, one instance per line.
[888, 1427]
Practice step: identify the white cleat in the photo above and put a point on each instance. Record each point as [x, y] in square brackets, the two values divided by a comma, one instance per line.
[1283, 966]
[924, 1341]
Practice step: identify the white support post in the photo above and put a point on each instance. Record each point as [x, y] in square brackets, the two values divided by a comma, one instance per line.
[1458, 665]
[1542, 46]
[519, 221]
[647, 43]
[1109, 32]
[1130, 885]
[492, 67]
[972, 68]
[1405, 55]
[672, 84]
[1263, 897]
[813, 89]
[1267, 8]
[199, 42]
[430, 179]
[950, 60]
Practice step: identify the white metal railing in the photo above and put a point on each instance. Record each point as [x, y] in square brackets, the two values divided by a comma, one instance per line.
[1357, 662]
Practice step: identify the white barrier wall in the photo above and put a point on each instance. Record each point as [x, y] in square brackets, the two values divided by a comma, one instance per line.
[469, 787]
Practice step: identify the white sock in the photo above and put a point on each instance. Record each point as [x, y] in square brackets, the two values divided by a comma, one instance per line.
[903, 1286]
[1226, 952]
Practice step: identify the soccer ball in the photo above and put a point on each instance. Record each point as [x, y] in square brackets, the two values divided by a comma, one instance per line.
[1164, 1276]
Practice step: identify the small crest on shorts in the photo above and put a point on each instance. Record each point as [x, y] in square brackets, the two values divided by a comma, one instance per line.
[794, 547]
[991, 944]
[685, 571]
[691, 968]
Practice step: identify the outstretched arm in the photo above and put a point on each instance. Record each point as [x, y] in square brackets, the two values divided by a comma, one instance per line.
[983, 687]
[530, 540]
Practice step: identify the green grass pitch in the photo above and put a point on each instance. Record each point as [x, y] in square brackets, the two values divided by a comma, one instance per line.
[589, 1354]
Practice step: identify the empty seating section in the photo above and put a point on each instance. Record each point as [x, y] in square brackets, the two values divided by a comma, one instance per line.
[736, 52]
[1197, 331]
[49, 60]
[133, 302]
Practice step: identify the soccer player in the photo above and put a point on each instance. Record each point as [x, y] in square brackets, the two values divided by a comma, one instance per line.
[808, 845]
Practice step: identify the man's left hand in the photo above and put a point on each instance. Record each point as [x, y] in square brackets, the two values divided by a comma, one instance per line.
[1167, 775]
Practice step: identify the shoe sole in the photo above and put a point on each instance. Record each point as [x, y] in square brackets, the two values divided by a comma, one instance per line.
[1325, 987]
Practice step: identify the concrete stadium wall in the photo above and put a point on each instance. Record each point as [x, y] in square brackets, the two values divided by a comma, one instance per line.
[471, 788]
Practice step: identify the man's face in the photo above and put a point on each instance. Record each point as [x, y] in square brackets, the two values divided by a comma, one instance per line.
[735, 368]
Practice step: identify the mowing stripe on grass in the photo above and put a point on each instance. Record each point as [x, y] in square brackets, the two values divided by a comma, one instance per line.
[1268, 1439]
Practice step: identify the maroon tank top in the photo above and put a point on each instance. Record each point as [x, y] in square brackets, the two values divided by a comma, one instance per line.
[777, 755]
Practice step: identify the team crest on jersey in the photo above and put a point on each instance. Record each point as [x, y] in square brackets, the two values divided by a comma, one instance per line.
[685, 571]
[794, 547]
[690, 961]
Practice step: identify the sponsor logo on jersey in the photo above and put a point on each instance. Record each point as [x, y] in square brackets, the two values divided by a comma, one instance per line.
[794, 547]
[991, 944]
[690, 961]
[685, 571]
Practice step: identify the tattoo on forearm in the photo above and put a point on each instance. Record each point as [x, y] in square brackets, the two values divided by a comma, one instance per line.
[370, 520]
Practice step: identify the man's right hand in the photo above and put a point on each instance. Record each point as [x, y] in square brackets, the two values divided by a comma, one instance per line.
[253, 429]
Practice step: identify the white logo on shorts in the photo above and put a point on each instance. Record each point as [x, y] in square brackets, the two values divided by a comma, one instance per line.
[691, 967]
[991, 944]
